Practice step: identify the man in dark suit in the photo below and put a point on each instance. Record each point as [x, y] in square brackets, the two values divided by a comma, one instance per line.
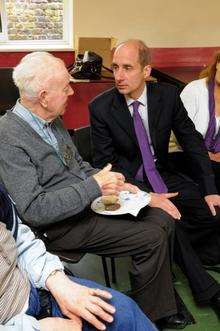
[131, 126]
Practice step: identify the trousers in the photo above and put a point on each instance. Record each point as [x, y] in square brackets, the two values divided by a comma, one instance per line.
[128, 316]
[216, 170]
[182, 162]
[197, 236]
[145, 239]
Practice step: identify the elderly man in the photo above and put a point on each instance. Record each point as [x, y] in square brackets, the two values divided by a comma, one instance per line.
[53, 188]
[131, 127]
[26, 266]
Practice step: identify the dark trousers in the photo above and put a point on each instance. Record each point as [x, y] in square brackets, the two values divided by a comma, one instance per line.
[144, 239]
[216, 170]
[197, 236]
[184, 165]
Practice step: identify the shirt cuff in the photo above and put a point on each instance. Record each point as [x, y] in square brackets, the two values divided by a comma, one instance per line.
[50, 269]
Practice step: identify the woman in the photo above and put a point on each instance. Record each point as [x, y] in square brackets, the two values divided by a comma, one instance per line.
[201, 99]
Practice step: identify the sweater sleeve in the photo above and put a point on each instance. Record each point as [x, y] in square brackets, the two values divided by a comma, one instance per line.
[37, 205]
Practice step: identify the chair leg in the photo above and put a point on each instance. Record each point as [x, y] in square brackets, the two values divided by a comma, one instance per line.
[114, 279]
[105, 269]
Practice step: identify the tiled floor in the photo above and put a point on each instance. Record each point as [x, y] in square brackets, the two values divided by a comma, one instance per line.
[91, 267]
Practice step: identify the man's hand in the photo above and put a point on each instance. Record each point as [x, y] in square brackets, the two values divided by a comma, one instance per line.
[214, 156]
[109, 182]
[162, 201]
[77, 300]
[213, 200]
[57, 324]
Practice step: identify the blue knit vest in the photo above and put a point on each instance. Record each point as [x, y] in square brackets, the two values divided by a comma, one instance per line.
[8, 213]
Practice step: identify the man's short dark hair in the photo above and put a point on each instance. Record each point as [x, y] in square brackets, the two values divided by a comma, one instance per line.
[143, 51]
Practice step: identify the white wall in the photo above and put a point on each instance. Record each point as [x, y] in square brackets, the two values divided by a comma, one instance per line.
[160, 23]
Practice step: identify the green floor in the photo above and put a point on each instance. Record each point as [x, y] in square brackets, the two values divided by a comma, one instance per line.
[206, 320]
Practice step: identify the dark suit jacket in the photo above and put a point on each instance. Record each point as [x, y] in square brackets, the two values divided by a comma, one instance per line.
[114, 139]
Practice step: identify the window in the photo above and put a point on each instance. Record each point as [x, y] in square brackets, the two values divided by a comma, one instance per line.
[36, 24]
[3, 23]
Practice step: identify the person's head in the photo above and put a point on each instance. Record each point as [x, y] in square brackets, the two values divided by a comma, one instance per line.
[131, 67]
[212, 71]
[43, 83]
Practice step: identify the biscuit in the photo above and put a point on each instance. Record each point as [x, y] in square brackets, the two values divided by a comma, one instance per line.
[109, 199]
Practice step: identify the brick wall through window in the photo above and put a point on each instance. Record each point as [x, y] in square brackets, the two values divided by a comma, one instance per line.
[34, 19]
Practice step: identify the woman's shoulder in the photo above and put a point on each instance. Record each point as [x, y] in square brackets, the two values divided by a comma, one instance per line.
[198, 83]
[196, 87]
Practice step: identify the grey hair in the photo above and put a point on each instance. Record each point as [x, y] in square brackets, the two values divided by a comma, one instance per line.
[34, 71]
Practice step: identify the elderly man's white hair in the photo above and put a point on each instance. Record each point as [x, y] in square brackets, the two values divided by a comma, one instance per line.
[34, 72]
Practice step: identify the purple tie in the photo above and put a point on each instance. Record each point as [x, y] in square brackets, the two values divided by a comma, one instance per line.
[151, 172]
[212, 142]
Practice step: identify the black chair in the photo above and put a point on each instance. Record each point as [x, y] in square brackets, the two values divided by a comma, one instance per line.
[69, 258]
[74, 257]
[8, 91]
[82, 140]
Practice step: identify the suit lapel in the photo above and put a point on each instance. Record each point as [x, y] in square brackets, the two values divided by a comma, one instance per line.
[121, 114]
[154, 109]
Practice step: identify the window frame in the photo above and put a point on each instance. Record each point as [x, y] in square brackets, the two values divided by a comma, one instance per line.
[47, 45]
[3, 32]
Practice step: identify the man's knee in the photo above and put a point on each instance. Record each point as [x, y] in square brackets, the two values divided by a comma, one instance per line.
[168, 223]
[161, 219]
[155, 239]
[217, 216]
[128, 315]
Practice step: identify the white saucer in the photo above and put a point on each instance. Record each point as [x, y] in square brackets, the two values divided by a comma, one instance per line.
[130, 204]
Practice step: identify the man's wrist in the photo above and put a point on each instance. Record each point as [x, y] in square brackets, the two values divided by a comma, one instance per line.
[54, 274]
[149, 198]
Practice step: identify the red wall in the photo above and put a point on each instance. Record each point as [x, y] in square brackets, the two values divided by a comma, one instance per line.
[11, 59]
[162, 57]
[182, 57]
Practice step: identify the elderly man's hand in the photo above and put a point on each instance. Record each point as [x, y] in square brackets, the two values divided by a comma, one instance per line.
[110, 182]
[213, 200]
[57, 324]
[130, 187]
[77, 300]
[109, 189]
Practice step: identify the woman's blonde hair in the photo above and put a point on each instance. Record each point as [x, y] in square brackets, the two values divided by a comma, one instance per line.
[210, 71]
